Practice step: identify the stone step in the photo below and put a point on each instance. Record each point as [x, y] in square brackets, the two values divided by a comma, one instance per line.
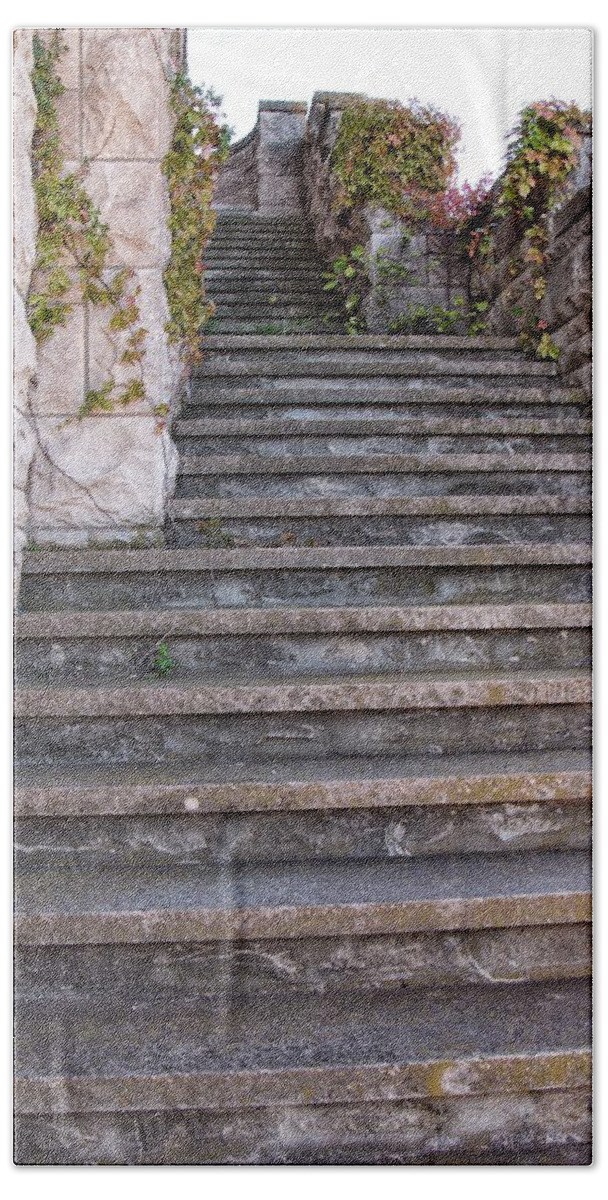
[380, 1083]
[492, 504]
[304, 577]
[391, 425]
[236, 291]
[223, 786]
[276, 325]
[374, 398]
[187, 529]
[60, 648]
[368, 462]
[165, 723]
[234, 273]
[381, 485]
[446, 689]
[281, 256]
[294, 443]
[195, 839]
[478, 1039]
[126, 902]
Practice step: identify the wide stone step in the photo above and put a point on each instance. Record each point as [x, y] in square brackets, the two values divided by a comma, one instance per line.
[390, 425]
[123, 902]
[371, 399]
[381, 485]
[187, 529]
[277, 324]
[305, 577]
[510, 1112]
[296, 444]
[59, 648]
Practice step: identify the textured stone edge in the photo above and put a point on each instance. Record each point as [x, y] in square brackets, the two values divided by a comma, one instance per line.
[306, 464]
[237, 622]
[51, 562]
[44, 799]
[400, 692]
[389, 426]
[401, 506]
[362, 341]
[506, 1073]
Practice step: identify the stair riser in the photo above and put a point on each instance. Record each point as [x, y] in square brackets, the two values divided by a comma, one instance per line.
[314, 965]
[70, 660]
[260, 406]
[389, 531]
[339, 444]
[238, 589]
[535, 1127]
[293, 737]
[314, 484]
[168, 841]
[319, 324]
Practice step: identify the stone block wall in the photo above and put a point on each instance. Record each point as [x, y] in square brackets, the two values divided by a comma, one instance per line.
[566, 305]
[107, 476]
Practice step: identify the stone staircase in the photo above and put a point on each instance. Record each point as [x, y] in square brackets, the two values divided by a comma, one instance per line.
[266, 277]
[321, 894]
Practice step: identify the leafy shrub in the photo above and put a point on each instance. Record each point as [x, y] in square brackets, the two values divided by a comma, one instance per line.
[393, 156]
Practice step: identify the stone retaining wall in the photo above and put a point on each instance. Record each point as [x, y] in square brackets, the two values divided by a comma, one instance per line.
[426, 267]
[566, 306]
[106, 476]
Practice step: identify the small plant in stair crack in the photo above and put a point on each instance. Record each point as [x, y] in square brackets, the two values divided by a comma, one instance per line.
[73, 246]
[163, 663]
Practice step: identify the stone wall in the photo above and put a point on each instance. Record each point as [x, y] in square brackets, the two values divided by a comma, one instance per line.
[566, 306]
[107, 476]
[264, 171]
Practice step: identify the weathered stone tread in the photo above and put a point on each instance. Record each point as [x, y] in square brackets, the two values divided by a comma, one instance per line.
[297, 464]
[190, 508]
[504, 1039]
[182, 622]
[349, 426]
[219, 786]
[431, 690]
[47, 562]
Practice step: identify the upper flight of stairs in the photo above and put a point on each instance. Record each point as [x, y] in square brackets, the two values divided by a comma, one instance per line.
[321, 895]
[265, 276]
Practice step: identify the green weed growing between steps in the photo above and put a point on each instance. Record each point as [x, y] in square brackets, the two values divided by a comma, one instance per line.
[73, 246]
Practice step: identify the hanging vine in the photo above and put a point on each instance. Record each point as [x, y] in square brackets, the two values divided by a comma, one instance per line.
[543, 151]
[73, 246]
[199, 146]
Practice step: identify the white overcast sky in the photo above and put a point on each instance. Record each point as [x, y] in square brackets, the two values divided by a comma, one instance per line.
[481, 76]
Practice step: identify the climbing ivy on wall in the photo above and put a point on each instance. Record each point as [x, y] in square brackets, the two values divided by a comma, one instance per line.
[199, 146]
[543, 151]
[73, 245]
[393, 156]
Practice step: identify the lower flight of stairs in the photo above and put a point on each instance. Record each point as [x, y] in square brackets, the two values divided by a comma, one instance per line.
[321, 893]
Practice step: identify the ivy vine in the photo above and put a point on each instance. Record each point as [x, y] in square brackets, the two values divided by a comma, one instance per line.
[543, 151]
[198, 147]
[73, 244]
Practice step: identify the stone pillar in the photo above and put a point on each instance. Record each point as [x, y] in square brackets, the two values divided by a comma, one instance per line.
[281, 129]
[107, 476]
[24, 228]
